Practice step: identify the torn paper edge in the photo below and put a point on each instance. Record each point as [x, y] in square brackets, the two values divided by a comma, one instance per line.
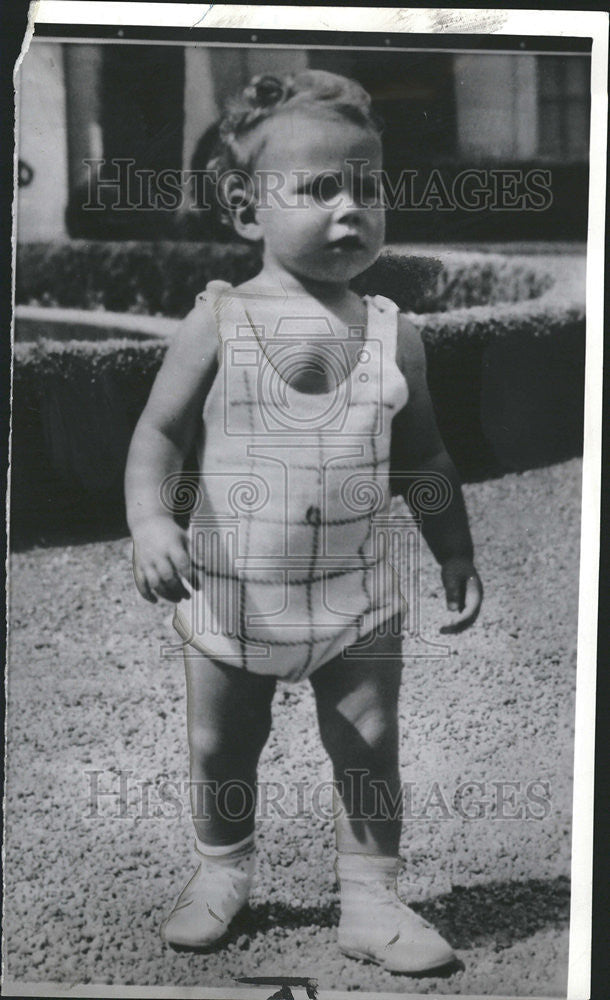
[592, 24]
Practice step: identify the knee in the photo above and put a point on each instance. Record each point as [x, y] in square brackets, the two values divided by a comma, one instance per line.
[370, 732]
[219, 746]
[208, 745]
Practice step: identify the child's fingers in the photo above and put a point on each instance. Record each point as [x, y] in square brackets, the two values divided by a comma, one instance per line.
[156, 583]
[153, 581]
[169, 584]
[455, 587]
[472, 606]
[141, 582]
[185, 568]
[146, 592]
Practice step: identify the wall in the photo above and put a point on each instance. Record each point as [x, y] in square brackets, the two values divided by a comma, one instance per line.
[212, 75]
[493, 110]
[42, 143]
[497, 115]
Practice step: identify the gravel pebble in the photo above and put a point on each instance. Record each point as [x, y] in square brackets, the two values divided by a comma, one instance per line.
[96, 725]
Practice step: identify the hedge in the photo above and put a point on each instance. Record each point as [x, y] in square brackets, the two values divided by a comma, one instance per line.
[164, 278]
[139, 277]
[507, 383]
[75, 405]
[506, 380]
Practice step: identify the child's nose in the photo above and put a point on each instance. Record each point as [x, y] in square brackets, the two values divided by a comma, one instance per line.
[346, 206]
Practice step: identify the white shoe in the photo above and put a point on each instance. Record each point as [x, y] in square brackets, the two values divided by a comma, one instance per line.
[377, 926]
[215, 894]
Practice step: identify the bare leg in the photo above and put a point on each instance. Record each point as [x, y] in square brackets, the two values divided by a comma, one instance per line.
[228, 723]
[357, 704]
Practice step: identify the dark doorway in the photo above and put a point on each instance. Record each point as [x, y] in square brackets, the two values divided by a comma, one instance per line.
[141, 97]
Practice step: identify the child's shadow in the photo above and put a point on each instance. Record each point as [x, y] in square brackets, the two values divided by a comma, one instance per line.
[498, 913]
[494, 913]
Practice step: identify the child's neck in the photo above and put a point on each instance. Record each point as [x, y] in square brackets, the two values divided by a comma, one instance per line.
[281, 281]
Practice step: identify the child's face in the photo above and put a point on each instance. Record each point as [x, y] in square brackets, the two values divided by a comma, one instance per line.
[319, 217]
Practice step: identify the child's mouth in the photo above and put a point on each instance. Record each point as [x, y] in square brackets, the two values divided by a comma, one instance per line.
[347, 243]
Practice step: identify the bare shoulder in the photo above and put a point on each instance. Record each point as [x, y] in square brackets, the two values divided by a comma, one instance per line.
[410, 351]
[188, 370]
[196, 336]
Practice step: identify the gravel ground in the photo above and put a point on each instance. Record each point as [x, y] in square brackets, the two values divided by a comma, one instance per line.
[88, 880]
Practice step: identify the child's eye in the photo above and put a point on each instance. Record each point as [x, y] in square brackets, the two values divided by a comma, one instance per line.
[325, 188]
[366, 190]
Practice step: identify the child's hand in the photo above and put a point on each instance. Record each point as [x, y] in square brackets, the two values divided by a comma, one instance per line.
[161, 560]
[464, 592]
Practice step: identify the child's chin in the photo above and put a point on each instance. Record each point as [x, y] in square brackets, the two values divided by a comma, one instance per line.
[344, 269]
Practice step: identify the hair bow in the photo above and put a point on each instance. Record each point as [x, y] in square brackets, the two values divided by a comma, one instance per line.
[265, 91]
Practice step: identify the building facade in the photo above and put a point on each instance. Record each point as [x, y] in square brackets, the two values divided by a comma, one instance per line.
[100, 123]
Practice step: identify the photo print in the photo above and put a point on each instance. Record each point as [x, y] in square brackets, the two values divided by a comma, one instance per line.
[304, 491]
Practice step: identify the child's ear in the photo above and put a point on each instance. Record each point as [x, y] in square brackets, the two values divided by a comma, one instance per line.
[245, 222]
[238, 197]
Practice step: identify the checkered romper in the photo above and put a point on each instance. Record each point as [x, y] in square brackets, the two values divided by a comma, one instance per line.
[291, 534]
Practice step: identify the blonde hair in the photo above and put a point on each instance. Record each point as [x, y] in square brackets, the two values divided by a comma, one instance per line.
[310, 91]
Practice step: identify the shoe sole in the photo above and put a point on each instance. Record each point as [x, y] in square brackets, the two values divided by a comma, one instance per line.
[421, 970]
[202, 948]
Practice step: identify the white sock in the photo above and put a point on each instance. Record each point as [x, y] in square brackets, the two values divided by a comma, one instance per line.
[366, 870]
[239, 855]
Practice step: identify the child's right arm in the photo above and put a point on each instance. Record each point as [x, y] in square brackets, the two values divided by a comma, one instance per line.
[161, 441]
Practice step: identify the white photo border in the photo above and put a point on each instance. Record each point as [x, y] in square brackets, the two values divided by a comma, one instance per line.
[405, 21]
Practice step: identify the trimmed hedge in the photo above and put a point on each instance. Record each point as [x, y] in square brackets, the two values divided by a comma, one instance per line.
[152, 278]
[164, 278]
[460, 280]
[467, 280]
[507, 381]
[75, 405]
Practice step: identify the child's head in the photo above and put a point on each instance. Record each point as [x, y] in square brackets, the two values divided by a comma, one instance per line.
[302, 158]
[316, 94]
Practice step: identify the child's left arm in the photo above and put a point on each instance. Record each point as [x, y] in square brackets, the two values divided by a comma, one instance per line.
[418, 447]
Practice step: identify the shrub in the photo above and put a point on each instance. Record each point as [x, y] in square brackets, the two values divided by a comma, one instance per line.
[75, 405]
[507, 383]
[467, 280]
[507, 380]
[154, 278]
[164, 278]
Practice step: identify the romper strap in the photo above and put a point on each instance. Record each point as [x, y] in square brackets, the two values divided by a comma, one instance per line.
[383, 321]
[212, 290]
[383, 304]
[212, 296]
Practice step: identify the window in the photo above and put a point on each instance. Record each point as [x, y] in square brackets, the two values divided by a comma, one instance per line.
[563, 106]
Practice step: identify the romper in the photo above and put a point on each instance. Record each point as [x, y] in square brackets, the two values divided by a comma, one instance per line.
[291, 531]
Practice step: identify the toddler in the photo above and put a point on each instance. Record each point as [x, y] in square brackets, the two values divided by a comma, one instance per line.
[295, 390]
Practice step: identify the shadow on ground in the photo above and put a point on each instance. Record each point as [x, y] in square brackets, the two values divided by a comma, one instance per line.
[497, 914]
